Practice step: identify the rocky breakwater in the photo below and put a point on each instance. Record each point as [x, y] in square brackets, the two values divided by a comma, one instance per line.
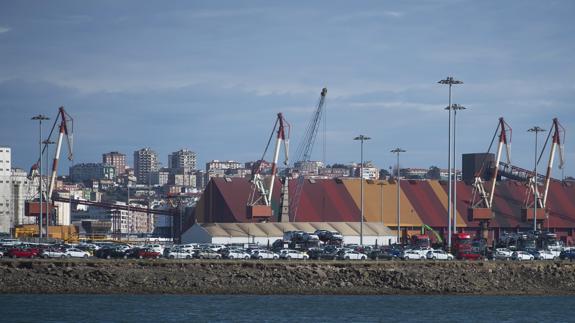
[260, 277]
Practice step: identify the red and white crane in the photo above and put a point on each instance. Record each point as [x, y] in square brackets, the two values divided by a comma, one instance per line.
[65, 129]
[482, 202]
[557, 134]
[259, 203]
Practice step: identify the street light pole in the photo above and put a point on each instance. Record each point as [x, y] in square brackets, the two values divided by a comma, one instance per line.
[449, 81]
[362, 138]
[536, 130]
[47, 143]
[40, 117]
[455, 107]
[397, 151]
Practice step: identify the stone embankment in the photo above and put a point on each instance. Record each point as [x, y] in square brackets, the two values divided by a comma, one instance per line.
[260, 277]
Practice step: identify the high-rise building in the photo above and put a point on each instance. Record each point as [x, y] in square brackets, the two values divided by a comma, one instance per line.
[92, 171]
[116, 159]
[182, 159]
[145, 162]
[6, 216]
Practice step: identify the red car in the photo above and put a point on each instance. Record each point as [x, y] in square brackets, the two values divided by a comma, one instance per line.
[145, 253]
[23, 252]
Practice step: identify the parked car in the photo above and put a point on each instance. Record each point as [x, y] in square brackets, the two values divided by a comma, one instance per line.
[53, 253]
[180, 254]
[385, 253]
[293, 254]
[23, 252]
[502, 254]
[143, 253]
[156, 247]
[237, 254]
[567, 255]
[264, 254]
[323, 253]
[522, 255]
[207, 254]
[412, 254]
[108, 253]
[76, 253]
[1, 254]
[544, 255]
[439, 255]
[351, 255]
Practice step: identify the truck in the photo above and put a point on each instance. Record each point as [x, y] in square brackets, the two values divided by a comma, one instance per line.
[464, 246]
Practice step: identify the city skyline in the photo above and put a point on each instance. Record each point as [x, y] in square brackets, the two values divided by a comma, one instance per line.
[211, 77]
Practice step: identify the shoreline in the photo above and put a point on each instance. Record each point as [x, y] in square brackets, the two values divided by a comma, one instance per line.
[146, 277]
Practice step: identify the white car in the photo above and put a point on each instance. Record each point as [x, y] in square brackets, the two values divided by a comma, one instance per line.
[264, 254]
[412, 254]
[238, 254]
[439, 255]
[352, 255]
[181, 254]
[502, 254]
[190, 247]
[293, 254]
[545, 255]
[522, 255]
[76, 253]
[53, 253]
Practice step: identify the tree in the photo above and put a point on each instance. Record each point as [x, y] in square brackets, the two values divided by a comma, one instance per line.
[433, 173]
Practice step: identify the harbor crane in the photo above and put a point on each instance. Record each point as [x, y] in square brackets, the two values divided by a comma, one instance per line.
[482, 201]
[259, 203]
[65, 128]
[303, 153]
[557, 141]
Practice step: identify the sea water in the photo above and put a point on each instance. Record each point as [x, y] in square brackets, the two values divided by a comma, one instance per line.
[284, 308]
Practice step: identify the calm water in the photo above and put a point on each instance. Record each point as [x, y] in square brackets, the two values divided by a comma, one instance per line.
[188, 308]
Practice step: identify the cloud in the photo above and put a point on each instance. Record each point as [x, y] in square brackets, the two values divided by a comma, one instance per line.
[365, 15]
[4, 29]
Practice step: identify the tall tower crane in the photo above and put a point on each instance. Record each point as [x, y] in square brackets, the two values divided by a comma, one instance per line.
[558, 134]
[259, 203]
[482, 202]
[303, 153]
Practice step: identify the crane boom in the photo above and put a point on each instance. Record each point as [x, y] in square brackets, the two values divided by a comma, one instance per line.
[303, 154]
[558, 141]
[63, 130]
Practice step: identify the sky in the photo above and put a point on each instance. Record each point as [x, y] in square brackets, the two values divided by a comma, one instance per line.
[211, 76]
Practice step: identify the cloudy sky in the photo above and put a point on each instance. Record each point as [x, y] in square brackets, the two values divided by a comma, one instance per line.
[211, 75]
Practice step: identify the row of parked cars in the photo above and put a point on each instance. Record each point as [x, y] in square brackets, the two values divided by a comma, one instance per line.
[507, 254]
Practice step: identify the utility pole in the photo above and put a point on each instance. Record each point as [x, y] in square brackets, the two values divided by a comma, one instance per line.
[40, 118]
[536, 130]
[449, 81]
[398, 179]
[455, 107]
[361, 138]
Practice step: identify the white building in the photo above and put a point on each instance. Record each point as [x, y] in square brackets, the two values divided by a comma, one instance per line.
[267, 233]
[23, 189]
[6, 214]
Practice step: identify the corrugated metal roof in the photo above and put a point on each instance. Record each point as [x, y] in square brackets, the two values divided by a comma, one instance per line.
[277, 229]
[421, 202]
[325, 200]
